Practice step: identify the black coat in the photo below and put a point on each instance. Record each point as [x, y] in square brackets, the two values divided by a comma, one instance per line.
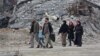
[34, 27]
[79, 30]
[78, 35]
[71, 32]
[63, 28]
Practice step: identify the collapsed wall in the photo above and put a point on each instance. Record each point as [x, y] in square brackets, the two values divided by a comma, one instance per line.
[36, 9]
[26, 11]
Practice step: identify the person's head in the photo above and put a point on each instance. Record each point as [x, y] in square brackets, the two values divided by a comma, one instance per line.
[46, 20]
[70, 23]
[64, 21]
[33, 20]
[78, 22]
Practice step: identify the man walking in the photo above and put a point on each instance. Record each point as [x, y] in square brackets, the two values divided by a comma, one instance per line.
[47, 30]
[63, 30]
[34, 32]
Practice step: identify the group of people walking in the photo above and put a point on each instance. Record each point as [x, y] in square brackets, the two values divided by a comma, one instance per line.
[74, 33]
[42, 34]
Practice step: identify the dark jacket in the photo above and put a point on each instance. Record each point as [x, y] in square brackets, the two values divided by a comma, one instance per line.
[34, 27]
[78, 35]
[63, 28]
[79, 29]
[71, 32]
[50, 28]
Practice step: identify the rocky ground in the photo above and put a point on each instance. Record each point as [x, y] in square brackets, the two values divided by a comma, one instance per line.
[90, 50]
[16, 42]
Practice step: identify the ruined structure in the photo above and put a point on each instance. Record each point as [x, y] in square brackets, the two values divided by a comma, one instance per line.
[1, 5]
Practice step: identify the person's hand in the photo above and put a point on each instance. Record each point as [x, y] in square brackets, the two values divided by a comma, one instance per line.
[30, 32]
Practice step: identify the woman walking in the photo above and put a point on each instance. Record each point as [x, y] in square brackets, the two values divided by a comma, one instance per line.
[70, 33]
[78, 34]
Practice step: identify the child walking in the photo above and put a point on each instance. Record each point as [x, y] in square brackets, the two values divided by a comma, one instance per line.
[41, 38]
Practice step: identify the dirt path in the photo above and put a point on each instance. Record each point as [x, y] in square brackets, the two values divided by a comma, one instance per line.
[86, 50]
[15, 42]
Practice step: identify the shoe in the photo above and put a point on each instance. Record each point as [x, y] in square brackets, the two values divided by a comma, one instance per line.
[70, 45]
[46, 46]
[43, 46]
[79, 46]
[31, 47]
[64, 45]
[51, 47]
[37, 46]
